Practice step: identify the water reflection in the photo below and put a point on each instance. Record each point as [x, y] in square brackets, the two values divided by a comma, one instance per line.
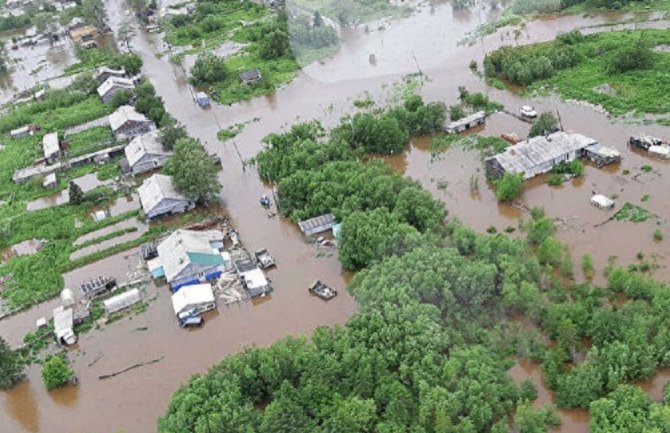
[21, 405]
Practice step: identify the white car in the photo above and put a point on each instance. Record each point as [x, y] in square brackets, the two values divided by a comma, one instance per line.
[528, 111]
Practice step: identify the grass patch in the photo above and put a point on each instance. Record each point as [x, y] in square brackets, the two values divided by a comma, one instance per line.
[88, 141]
[230, 132]
[585, 75]
[632, 213]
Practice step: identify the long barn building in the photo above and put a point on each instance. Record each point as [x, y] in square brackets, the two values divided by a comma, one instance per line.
[538, 155]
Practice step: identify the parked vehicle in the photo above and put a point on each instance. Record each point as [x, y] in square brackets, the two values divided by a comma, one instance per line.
[528, 111]
[322, 291]
[265, 259]
[193, 312]
[192, 322]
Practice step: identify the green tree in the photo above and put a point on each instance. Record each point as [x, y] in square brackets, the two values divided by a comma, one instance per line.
[208, 69]
[121, 97]
[632, 57]
[94, 12]
[138, 6]
[274, 45]
[193, 171]
[125, 34]
[56, 372]
[625, 410]
[529, 420]
[317, 19]
[546, 123]
[171, 133]
[76, 194]
[509, 187]
[11, 368]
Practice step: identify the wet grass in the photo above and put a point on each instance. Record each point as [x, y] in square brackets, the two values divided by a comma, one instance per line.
[89, 141]
[640, 91]
[632, 213]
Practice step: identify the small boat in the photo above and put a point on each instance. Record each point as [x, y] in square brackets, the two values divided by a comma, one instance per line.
[265, 259]
[322, 291]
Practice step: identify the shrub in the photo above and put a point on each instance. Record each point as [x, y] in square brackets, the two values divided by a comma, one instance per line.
[658, 235]
[56, 372]
[509, 187]
[208, 69]
[546, 123]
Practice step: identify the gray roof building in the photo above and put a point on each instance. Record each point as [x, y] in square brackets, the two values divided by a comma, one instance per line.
[159, 197]
[538, 155]
[145, 152]
[112, 86]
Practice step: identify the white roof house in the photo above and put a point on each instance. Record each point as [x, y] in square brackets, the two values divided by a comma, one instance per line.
[127, 123]
[50, 146]
[112, 85]
[145, 152]
[255, 282]
[188, 255]
[159, 197]
[538, 155]
[661, 151]
[198, 296]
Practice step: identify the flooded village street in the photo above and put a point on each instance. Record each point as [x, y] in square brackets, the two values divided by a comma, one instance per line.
[133, 401]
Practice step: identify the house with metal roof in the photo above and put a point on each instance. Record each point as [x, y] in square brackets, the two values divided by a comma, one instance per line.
[112, 86]
[188, 257]
[317, 224]
[196, 297]
[252, 277]
[538, 155]
[460, 125]
[126, 123]
[145, 153]
[159, 197]
[104, 72]
[250, 76]
[51, 147]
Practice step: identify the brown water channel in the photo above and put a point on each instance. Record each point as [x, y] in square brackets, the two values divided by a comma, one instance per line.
[326, 91]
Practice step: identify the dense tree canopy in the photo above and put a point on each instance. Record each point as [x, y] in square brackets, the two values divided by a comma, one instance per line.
[194, 173]
[11, 366]
[208, 69]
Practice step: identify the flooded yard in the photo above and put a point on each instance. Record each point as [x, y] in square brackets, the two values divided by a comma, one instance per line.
[86, 183]
[31, 246]
[134, 400]
[128, 230]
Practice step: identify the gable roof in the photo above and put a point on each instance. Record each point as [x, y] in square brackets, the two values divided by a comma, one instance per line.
[147, 144]
[101, 71]
[250, 75]
[184, 247]
[124, 114]
[115, 82]
[526, 155]
[156, 189]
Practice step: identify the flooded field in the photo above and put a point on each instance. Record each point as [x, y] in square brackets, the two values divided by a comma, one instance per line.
[139, 228]
[86, 183]
[134, 400]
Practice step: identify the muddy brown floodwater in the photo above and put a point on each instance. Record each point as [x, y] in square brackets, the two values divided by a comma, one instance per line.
[134, 400]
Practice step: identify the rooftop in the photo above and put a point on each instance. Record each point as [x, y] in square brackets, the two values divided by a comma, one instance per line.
[50, 144]
[124, 114]
[317, 224]
[524, 156]
[157, 188]
[147, 144]
[250, 75]
[192, 295]
[115, 82]
[182, 247]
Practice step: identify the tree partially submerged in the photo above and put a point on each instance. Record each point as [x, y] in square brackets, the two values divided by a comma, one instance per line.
[194, 173]
[208, 69]
[546, 123]
[11, 367]
[56, 372]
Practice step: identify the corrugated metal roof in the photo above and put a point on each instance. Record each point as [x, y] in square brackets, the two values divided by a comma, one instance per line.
[123, 114]
[179, 249]
[604, 151]
[155, 189]
[527, 155]
[191, 296]
[317, 224]
[466, 120]
[115, 82]
[147, 144]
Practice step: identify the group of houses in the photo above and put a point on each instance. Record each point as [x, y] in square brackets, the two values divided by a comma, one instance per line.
[190, 260]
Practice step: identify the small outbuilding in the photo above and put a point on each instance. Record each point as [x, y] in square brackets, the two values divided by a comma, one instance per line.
[601, 155]
[250, 76]
[21, 132]
[252, 277]
[64, 326]
[159, 197]
[51, 147]
[317, 225]
[468, 122]
[145, 153]
[197, 297]
[661, 152]
[83, 34]
[126, 123]
[104, 72]
[112, 86]
[122, 301]
[601, 201]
